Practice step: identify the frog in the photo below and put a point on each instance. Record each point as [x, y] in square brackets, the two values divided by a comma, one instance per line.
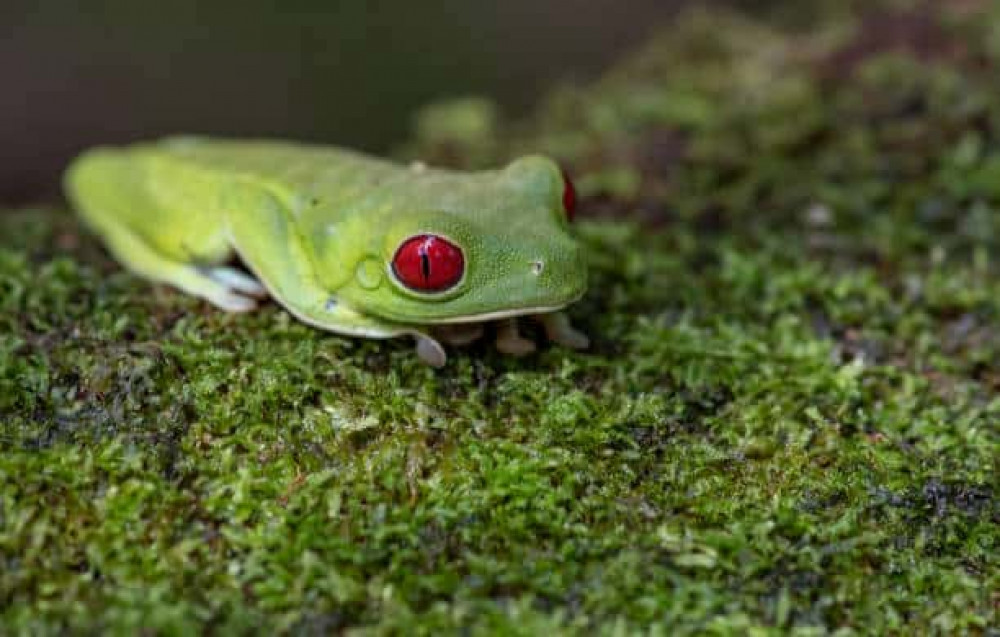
[344, 241]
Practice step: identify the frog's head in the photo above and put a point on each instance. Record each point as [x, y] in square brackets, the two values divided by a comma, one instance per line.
[497, 246]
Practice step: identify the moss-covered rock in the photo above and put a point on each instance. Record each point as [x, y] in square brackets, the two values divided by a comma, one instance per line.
[789, 418]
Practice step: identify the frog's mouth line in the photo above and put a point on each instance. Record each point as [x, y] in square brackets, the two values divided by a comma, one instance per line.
[495, 316]
[501, 314]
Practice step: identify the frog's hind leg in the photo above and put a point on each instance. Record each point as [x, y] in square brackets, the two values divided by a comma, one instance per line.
[226, 288]
[147, 229]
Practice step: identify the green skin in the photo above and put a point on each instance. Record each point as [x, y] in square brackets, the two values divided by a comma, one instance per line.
[318, 227]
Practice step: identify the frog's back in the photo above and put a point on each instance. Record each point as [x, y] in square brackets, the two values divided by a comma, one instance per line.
[174, 191]
[292, 168]
[346, 181]
[291, 165]
[301, 175]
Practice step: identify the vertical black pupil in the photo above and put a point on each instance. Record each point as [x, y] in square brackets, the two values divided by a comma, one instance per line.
[425, 263]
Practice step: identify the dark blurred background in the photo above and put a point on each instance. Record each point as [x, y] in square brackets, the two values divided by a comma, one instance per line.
[74, 74]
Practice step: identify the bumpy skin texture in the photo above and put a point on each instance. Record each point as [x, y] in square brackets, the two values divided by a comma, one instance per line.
[319, 228]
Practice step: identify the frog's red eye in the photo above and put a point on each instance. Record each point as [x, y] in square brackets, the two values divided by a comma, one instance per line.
[428, 263]
[569, 197]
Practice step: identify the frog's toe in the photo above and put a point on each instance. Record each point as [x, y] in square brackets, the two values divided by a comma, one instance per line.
[430, 351]
[558, 330]
[198, 282]
[510, 341]
[238, 281]
[231, 302]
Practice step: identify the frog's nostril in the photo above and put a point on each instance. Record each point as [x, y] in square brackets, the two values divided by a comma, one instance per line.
[537, 267]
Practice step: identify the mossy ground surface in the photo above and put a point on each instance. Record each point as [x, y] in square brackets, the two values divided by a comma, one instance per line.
[788, 420]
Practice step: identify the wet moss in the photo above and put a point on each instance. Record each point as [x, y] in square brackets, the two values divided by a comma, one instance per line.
[788, 419]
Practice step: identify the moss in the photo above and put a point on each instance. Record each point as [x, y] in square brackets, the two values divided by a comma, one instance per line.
[788, 419]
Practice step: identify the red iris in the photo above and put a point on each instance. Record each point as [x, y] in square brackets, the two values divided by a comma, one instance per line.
[569, 197]
[428, 263]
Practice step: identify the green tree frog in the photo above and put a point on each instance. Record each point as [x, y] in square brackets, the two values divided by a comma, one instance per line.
[345, 242]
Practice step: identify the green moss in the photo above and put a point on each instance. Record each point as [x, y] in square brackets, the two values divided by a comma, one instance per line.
[788, 419]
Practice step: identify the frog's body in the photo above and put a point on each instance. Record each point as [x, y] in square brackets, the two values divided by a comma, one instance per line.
[345, 242]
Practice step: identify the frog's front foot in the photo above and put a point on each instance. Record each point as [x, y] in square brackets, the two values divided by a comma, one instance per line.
[508, 337]
[510, 341]
[461, 334]
[559, 330]
[430, 351]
